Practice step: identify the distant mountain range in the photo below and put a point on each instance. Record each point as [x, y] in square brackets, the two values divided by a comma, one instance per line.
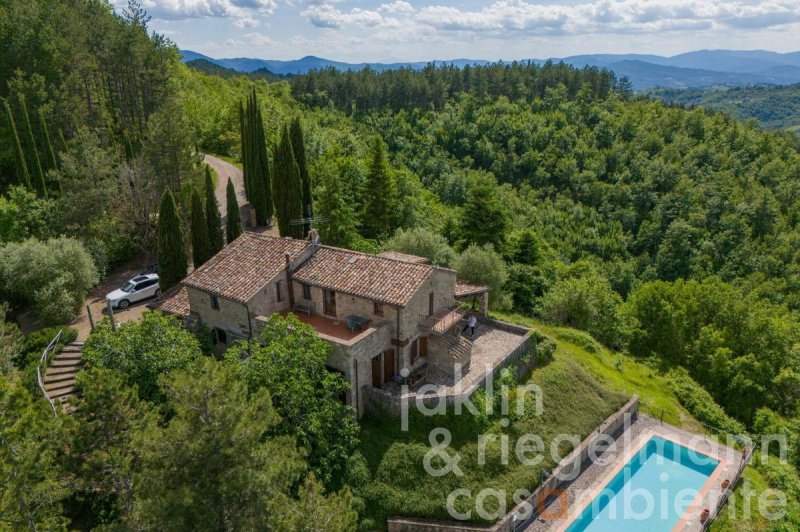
[703, 68]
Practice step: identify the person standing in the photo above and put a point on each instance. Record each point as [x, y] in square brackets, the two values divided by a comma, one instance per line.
[472, 321]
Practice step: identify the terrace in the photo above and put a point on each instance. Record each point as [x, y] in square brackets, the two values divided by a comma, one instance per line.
[335, 330]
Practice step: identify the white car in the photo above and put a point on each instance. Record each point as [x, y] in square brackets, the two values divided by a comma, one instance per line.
[139, 288]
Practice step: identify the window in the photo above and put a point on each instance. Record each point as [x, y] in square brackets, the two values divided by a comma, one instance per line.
[220, 336]
[306, 292]
[278, 291]
[215, 302]
[430, 304]
[377, 308]
[414, 350]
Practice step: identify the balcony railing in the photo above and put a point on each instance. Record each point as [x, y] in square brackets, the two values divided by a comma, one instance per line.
[449, 314]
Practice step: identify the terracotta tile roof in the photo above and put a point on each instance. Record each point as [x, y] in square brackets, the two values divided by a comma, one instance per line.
[396, 255]
[465, 289]
[381, 279]
[173, 301]
[245, 266]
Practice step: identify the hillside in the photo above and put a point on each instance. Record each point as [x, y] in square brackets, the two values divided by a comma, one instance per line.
[772, 107]
[703, 68]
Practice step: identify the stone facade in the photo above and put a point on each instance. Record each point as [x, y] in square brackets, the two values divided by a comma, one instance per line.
[393, 339]
[229, 316]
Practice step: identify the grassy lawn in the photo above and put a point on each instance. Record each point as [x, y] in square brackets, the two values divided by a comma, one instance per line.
[582, 385]
[618, 372]
[573, 403]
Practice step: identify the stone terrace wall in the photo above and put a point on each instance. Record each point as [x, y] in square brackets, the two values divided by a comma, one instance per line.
[521, 515]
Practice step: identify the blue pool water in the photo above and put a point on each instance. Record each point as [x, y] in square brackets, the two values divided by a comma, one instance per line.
[652, 491]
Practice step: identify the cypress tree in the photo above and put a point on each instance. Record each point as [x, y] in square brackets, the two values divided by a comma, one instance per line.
[233, 225]
[380, 193]
[37, 177]
[171, 249]
[298, 144]
[23, 177]
[254, 159]
[245, 153]
[286, 188]
[213, 221]
[266, 172]
[201, 247]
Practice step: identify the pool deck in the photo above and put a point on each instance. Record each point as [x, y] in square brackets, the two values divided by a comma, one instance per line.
[596, 474]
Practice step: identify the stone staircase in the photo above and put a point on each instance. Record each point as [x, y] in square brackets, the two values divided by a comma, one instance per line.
[59, 377]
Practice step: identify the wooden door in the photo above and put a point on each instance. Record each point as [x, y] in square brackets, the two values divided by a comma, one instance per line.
[388, 365]
[376, 372]
[329, 303]
[423, 346]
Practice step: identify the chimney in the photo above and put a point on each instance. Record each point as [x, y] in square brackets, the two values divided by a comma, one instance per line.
[289, 286]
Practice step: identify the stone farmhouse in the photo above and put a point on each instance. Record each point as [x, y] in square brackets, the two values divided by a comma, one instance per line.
[382, 314]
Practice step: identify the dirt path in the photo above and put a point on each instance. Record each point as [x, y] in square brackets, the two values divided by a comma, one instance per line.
[96, 299]
[225, 170]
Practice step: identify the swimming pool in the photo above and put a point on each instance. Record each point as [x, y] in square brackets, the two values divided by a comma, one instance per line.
[651, 492]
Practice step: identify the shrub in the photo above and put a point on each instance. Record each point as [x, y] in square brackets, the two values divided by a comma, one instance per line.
[142, 350]
[51, 278]
[581, 339]
[699, 402]
[423, 243]
[482, 266]
[590, 304]
[35, 342]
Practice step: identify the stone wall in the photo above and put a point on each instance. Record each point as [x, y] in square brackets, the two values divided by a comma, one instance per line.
[354, 359]
[231, 317]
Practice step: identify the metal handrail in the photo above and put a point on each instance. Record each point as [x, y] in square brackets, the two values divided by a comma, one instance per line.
[729, 490]
[43, 362]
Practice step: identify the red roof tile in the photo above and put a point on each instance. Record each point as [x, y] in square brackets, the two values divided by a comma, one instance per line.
[405, 257]
[373, 277]
[465, 289]
[173, 301]
[245, 266]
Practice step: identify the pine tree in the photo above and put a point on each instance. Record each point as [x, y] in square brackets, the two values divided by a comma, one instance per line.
[213, 221]
[298, 144]
[484, 219]
[23, 177]
[287, 188]
[201, 247]
[233, 225]
[376, 220]
[52, 162]
[37, 176]
[171, 249]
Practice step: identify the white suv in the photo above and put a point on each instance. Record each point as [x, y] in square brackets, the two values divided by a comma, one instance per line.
[139, 288]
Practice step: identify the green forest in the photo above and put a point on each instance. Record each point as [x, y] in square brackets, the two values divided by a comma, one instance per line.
[773, 107]
[666, 233]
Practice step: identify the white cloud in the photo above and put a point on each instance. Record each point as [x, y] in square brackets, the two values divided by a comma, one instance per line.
[600, 16]
[181, 9]
[258, 39]
[246, 22]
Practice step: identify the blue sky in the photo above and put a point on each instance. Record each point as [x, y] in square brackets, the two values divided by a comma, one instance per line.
[400, 30]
